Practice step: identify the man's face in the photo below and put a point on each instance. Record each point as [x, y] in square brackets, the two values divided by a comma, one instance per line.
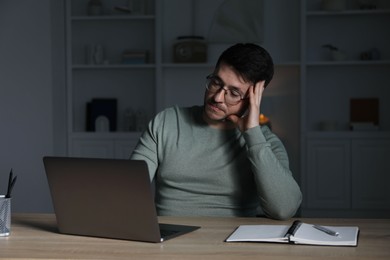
[215, 107]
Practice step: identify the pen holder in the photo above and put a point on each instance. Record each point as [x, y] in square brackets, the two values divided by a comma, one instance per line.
[5, 216]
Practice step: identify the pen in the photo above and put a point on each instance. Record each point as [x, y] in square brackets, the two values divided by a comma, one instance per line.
[11, 183]
[326, 230]
[10, 177]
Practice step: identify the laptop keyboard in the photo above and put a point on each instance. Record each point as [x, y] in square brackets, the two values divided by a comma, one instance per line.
[167, 233]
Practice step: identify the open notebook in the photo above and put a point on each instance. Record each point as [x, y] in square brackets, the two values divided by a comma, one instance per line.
[297, 233]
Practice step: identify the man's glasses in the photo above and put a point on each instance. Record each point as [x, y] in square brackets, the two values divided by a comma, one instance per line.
[232, 95]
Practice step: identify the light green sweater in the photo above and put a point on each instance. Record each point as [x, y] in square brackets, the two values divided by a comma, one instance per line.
[204, 171]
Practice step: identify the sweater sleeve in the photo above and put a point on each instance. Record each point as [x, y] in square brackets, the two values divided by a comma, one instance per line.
[147, 146]
[280, 195]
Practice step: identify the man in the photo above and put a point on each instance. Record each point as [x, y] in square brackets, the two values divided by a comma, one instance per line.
[215, 159]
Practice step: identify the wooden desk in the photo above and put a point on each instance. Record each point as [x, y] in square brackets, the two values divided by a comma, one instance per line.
[36, 236]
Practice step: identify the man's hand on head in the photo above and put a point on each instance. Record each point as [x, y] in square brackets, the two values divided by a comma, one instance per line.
[251, 118]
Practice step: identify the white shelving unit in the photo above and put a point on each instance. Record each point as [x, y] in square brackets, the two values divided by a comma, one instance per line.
[132, 85]
[308, 88]
[162, 83]
[337, 178]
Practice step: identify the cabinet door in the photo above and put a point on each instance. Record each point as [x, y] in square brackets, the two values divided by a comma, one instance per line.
[328, 174]
[371, 174]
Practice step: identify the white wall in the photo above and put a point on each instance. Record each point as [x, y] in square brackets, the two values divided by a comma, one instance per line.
[26, 119]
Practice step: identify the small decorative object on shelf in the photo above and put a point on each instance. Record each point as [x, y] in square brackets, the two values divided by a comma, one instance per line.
[364, 114]
[123, 9]
[190, 49]
[335, 53]
[95, 7]
[102, 114]
[263, 120]
[94, 54]
[134, 57]
[373, 54]
[135, 120]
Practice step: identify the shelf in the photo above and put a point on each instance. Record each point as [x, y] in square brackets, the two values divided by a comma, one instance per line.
[106, 135]
[348, 134]
[328, 85]
[187, 65]
[112, 17]
[113, 66]
[348, 63]
[211, 65]
[348, 12]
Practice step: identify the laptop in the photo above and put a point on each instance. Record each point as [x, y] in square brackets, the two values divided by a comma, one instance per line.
[109, 198]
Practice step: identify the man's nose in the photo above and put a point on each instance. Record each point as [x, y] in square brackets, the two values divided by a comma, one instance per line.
[219, 96]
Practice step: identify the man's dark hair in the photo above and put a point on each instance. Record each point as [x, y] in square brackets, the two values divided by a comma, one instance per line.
[251, 61]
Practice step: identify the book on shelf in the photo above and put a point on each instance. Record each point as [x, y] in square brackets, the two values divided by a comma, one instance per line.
[298, 233]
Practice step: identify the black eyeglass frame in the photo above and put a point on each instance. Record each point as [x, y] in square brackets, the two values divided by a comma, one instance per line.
[212, 77]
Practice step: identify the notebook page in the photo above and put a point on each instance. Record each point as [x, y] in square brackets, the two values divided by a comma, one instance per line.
[259, 233]
[307, 234]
